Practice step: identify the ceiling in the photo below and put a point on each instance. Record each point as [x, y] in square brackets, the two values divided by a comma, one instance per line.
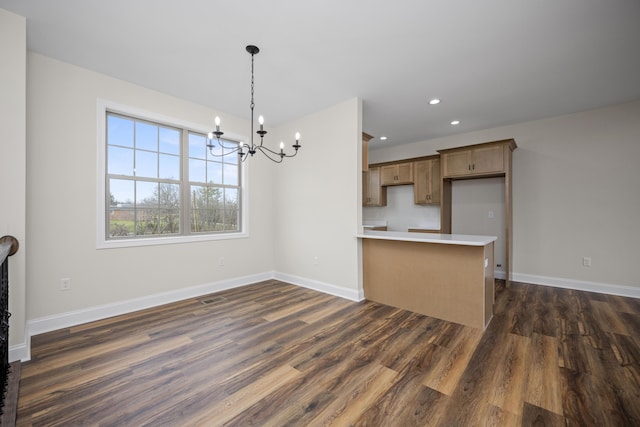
[491, 62]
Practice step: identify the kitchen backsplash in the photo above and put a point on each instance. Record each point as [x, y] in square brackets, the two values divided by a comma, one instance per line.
[401, 213]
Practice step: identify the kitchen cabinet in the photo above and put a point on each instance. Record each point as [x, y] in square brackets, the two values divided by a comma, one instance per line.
[427, 182]
[365, 151]
[396, 174]
[475, 161]
[373, 194]
[491, 159]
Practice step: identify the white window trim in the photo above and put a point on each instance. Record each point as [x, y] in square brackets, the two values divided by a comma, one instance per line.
[101, 240]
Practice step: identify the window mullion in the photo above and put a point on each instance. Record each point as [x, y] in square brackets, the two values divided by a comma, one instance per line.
[185, 220]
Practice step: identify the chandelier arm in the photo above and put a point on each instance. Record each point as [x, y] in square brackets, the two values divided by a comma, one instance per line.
[233, 150]
[266, 151]
[227, 147]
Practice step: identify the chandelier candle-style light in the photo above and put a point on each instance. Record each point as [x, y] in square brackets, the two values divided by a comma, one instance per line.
[244, 149]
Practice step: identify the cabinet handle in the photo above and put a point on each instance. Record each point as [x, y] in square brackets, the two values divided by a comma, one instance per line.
[469, 167]
[474, 166]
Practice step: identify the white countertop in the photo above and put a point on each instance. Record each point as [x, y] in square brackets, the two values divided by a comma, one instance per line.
[374, 223]
[447, 239]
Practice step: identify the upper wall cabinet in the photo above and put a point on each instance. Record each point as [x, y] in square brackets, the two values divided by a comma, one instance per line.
[372, 192]
[488, 159]
[365, 151]
[427, 182]
[397, 174]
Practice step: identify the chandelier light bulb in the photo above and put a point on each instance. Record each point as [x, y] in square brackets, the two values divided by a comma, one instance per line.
[281, 145]
[261, 120]
[217, 121]
[210, 135]
[297, 136]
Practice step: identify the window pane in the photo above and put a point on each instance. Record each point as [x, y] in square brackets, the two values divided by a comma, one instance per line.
[121, 192]
[169, 167]
[120, 161]
[119, 131]
[146, 221]
[230, 174]
[146, 194]
[197, 146]
[214, 172]
[146, 136]
[230, 219]
[169, 141]
[169, 221]
[231, 198]
[208, 214]
[146, 164]
[121, 208]
[169, 197]
[197, 170]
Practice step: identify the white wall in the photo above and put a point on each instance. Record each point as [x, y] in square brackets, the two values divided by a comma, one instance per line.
[401, 212]
[317, 198]
[576, 193]
[61, 200]
[477, 207]
[13, 35]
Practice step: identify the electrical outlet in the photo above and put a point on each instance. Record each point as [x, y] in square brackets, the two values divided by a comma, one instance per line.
[65, 284]
[586, 261]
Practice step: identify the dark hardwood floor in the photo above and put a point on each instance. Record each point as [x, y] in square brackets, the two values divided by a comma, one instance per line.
[273, 354]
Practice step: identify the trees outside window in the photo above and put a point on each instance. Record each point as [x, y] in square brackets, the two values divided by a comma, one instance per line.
[161, 180]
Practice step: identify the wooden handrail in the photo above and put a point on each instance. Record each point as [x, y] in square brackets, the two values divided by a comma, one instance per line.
[8, 246]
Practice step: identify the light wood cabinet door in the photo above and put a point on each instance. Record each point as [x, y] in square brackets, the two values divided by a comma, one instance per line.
[397, 174]
[365, 151]
[477, 161]
[427, 182]
[488, 159]
[373, 193]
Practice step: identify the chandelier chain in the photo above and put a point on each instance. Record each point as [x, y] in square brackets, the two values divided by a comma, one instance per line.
[252, 105]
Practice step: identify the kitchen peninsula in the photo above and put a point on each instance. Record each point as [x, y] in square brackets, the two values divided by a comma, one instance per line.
[446, 276]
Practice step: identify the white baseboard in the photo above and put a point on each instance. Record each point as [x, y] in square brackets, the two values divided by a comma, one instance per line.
[20, 352]
[339, 291]
[90, 314]
[557, 282]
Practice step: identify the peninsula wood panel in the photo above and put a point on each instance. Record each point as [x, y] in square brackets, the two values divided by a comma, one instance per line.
[445, 281]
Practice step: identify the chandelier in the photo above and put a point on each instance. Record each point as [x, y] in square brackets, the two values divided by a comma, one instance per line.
[243, 149]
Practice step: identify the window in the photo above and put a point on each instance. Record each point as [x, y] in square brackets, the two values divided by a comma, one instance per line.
[161, 183]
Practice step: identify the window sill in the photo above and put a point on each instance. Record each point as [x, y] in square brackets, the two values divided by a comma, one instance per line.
[168, 240]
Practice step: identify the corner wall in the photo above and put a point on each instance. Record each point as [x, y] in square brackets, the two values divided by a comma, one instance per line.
[13, 51]
[575, 195]
[318, 203]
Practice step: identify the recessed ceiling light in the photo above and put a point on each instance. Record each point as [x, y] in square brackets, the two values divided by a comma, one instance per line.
[434, 101]
[383, 138]
[455, 122]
